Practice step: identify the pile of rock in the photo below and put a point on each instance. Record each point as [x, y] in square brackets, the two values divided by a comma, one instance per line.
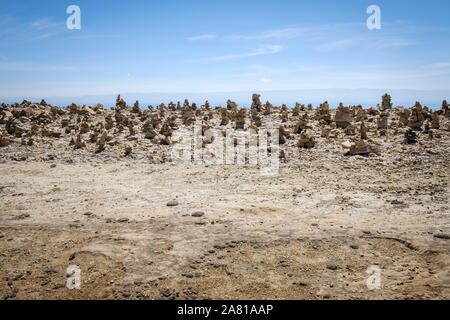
[410, 137]
[322, 113]
[386, 103]
[256, 103]
[416, 119]
[240, 119]
[306, 141]
[301, 125]
[445, 109]
[362, 148]
[343, 117]
[225, 117]
[382, 122]
[404, 117]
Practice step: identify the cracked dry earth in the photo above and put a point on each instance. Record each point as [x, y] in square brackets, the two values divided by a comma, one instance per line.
[229, 233]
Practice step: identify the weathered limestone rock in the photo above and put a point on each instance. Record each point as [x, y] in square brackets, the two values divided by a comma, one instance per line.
[267, 108]
[101, 142]
[78, 143]
[373, 111]
[136, 108]
[361, 115]
[386, 103]
[306, 141]
[410, 137]
[283, 135]
[155, 120]
[382, 121]
[257, 121]
[343, 117]
[404, 116]
[148, 130]
[363, 131]
[128, 150]
[325, 132]
[50, 133]
[435, 121]
[84, 127]
[131, 129]
[296, 110]
[65, 123]
[166, 141]
[166, 130]
[350, 130]
[11, 126]
[416, 120]
[282, 155]
[323, 113]
[225, 117]
[256, 102]
[4, 141]
[188, 118]
[240, 120]
[361, 148]
[445, 109]
[346, 144]
[120, 103]
[231, 105]
[300, 126]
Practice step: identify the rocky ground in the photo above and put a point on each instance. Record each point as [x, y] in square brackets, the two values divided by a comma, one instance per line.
[96, 188]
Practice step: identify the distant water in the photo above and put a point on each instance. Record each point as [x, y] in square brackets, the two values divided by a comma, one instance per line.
[366, 97]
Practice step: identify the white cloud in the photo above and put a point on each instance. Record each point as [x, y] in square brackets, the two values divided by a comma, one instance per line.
[45, 23]
[202, 37]
[272, 49]
[265, 80]
[279, 34]
[308, 32]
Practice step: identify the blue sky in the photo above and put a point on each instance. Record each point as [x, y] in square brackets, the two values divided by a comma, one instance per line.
[211, 46]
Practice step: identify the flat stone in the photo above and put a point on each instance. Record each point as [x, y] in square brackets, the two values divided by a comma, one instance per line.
[172, 203]
[332, 266]
[198, 214]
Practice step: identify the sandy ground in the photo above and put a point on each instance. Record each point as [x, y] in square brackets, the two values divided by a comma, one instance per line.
[309, 233]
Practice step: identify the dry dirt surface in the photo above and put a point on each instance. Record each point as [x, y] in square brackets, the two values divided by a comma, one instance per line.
[141, 227]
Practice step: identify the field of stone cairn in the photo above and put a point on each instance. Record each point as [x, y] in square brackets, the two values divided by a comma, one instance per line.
[131, 131]
[97, 188]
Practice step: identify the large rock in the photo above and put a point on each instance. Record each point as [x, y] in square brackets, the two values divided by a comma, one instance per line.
[240, 119]
[410, 137]
[4, 141]
[386, 103]
[445, 109]
[404, 116]
[416, 119]
[322, 113]
[363, 131]
[267, 108]
[300, 126]
[382, 122]
[343, 117]
[435, 120]
[225, 117]
[306, 141]
[361, 148]
[256, 102]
